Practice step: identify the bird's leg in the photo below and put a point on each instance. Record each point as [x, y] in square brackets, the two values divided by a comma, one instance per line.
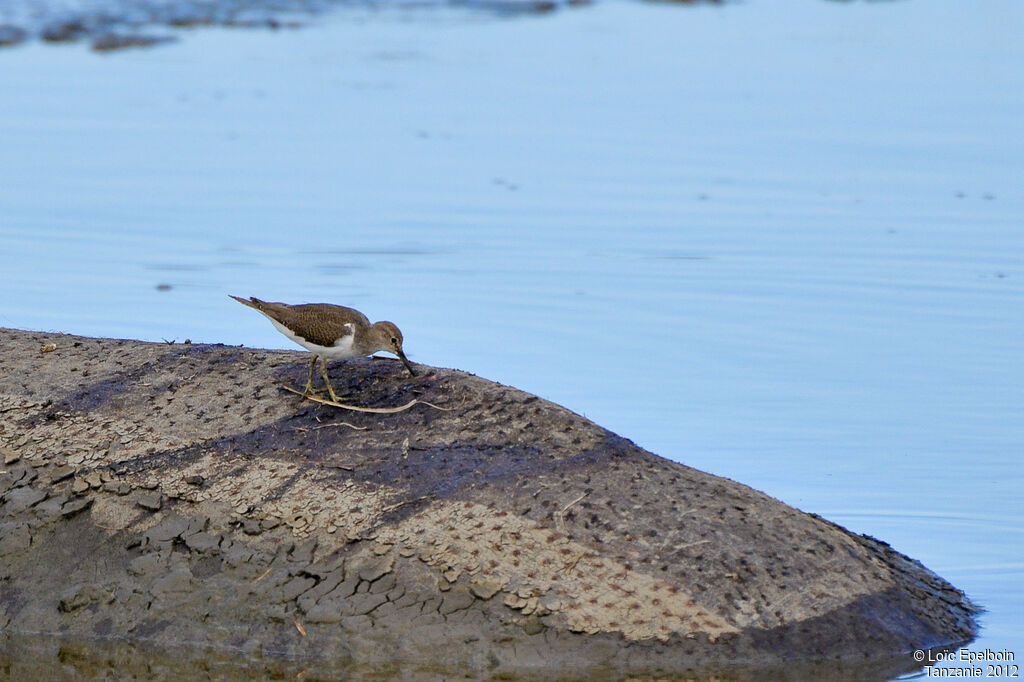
[309, 381]
[323, 370]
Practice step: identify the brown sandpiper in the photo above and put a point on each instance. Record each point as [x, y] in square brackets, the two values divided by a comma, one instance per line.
[330, 331]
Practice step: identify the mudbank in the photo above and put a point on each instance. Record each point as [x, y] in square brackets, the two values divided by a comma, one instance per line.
[176, 495]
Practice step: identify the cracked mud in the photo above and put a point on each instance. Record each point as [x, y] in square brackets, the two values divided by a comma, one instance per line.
[173, 494]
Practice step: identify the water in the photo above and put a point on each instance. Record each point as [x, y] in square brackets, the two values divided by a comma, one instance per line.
[780, 242]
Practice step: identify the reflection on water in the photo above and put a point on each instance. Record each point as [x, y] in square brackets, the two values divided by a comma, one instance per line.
[53, 658]
[784, 248]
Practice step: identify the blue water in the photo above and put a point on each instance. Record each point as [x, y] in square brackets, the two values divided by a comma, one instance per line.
[780, 242]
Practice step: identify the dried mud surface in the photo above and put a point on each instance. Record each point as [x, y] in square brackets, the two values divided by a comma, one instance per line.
[175, 495]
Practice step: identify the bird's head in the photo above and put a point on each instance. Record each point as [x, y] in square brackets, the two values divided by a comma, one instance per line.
[389, 339]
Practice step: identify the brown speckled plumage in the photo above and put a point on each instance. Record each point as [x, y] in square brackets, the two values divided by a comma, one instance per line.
[331, 331]
[319, 323]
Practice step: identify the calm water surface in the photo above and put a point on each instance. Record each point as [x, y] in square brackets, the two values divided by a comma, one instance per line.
[780, 242]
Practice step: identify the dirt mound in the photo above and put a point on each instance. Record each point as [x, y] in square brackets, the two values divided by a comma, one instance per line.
[174, 494]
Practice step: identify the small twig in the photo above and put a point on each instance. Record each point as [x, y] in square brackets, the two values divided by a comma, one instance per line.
[375, 410]
[693, 544]
[351, 426]
[572, 564]
[566, 507]
[304, 429]
[561, 515]
[392, 507]
[265, 574]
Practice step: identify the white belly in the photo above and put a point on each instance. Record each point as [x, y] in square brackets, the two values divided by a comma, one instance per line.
[342, 348]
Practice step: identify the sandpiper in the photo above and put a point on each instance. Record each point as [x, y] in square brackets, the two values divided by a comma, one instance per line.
[330, 331]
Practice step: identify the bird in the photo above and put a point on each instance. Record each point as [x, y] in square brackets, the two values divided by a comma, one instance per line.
[330, 331]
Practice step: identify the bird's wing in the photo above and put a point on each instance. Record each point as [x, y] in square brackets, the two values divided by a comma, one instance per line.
[322, 323]
[319, 323]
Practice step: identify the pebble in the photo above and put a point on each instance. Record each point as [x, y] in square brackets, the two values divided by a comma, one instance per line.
[74, 506]
[61, 472]
[150, 501]
[485, 589]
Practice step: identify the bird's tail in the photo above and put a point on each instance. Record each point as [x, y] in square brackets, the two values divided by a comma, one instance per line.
[252, 302]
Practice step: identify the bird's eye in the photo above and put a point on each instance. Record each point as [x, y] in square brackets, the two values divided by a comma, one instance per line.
[394, 340]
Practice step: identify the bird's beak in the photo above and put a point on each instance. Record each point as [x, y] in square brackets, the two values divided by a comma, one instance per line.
[405, 360]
